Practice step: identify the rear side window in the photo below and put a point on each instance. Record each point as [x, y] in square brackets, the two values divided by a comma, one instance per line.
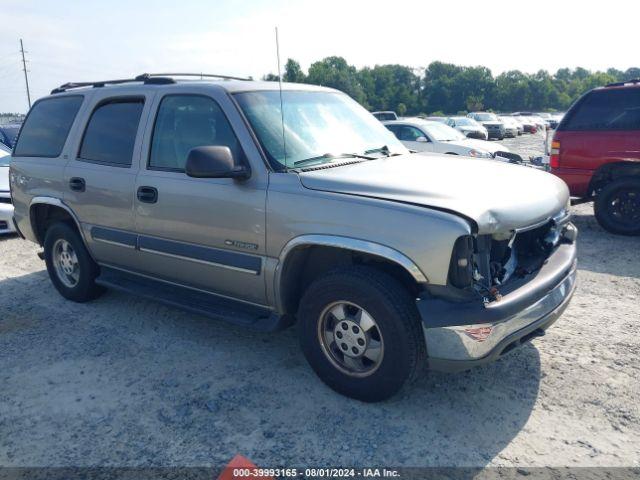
[46, 128]
[612, 109]
[111, 133]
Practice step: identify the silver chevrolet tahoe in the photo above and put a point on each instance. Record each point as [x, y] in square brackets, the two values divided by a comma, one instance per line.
[266, 205]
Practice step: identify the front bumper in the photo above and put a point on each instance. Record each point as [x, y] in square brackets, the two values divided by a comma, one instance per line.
[460, 336]
[6, 218]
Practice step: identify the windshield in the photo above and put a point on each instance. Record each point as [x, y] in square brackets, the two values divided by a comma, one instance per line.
[484, 117]
[442, 133]
[465, 122]
[315, 124]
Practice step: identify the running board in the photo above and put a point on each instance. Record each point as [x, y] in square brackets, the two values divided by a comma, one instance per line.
[194, 301]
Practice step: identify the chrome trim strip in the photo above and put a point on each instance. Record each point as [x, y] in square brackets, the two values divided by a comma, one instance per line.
[112, 242]
[347, 243]
[197, 260]
[196, 289]
[57, 203]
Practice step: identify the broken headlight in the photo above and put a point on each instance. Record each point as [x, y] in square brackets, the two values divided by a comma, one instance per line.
[461, 264]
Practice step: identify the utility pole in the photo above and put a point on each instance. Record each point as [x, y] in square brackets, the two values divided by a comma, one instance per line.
[24, 69]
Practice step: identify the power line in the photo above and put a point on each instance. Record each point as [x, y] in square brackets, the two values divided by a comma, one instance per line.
[26, 77]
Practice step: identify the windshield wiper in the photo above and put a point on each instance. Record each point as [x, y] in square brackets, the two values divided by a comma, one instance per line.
[383, 149]
[331, 156]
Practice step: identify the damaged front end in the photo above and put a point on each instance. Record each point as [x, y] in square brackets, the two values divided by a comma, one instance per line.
[504, 288]
[486, 264]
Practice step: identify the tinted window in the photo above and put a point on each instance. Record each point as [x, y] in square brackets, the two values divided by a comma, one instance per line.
[184, 122]
[612, 109]
[111, 133]
[47, 126]
[405, 132]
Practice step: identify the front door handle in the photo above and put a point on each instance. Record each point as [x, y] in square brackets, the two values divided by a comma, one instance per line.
[148, 194]
[77, 184]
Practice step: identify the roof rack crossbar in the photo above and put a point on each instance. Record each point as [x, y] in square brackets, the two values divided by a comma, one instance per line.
[202, 75]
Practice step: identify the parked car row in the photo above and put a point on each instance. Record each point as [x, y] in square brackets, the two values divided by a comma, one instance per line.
[429, 136]
[488, 125]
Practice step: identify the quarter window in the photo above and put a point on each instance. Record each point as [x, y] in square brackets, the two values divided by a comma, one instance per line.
[111, 133]
[46, 128]
[609, 109]
[184, 122]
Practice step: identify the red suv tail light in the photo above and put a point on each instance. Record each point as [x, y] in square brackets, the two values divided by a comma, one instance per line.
[554, 160]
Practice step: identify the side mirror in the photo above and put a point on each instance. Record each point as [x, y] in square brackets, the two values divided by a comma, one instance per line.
[422, 139]
[214, 162]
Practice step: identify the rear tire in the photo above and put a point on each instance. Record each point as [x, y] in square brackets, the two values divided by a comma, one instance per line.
[617, 207]
[386, 327]
[71, 268]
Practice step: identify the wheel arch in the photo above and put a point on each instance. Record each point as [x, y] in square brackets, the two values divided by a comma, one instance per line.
[306, 257]
[613, 171]
[43, 211]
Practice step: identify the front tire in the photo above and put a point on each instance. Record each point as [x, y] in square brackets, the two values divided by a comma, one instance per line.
[361, 333]
[617, 207]
[71, 268]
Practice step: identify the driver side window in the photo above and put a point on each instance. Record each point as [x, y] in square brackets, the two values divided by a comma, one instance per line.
[409, 134]
[184, 122]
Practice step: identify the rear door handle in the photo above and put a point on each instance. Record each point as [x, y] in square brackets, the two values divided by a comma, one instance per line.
[77, 184]
[148, 194]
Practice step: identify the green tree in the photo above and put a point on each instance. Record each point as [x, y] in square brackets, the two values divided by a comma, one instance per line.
[293, 72]
[336, 73]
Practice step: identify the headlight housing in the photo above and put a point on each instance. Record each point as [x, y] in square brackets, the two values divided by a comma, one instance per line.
[479, 153]
[461, 264]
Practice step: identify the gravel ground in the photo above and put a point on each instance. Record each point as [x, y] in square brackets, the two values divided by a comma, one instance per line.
[124, 381]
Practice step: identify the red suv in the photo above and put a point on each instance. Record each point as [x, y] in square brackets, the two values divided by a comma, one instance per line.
[596, 151]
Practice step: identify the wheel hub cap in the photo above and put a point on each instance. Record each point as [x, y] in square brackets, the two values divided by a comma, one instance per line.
[350, 338]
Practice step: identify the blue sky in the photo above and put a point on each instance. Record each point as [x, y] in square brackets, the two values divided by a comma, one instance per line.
[69, 40]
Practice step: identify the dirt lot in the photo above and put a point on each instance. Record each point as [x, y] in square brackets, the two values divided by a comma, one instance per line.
[124, 381]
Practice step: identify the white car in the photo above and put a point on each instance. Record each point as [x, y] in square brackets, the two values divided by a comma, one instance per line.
[511, 126]
[6, 207]
[425, 136]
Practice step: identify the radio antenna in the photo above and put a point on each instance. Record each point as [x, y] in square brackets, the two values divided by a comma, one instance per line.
[284, 143]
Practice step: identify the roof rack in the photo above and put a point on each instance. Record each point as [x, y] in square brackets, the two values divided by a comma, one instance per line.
[201, 75]
[146, 78]
[626, 82]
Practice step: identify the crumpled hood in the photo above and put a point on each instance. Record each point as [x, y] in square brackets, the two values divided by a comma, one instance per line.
[4, 179]
[498, 196]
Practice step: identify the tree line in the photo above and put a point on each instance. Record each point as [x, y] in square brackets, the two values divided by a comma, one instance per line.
[445, 88]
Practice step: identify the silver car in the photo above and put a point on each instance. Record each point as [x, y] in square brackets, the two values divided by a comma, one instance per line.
[262, 208]
[6, 208]
[468, 127]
